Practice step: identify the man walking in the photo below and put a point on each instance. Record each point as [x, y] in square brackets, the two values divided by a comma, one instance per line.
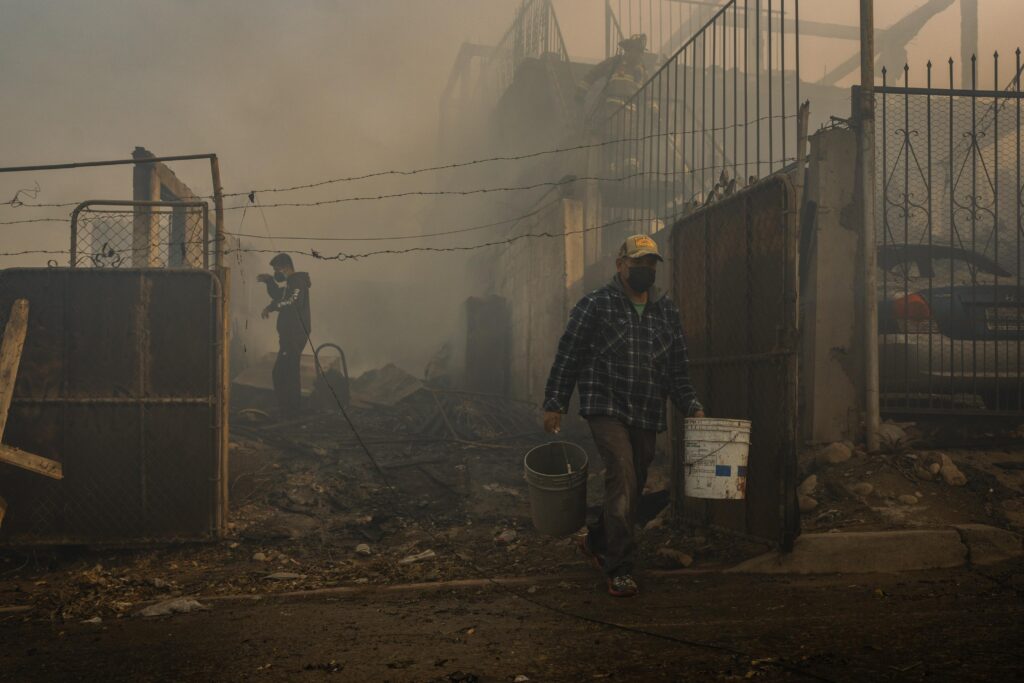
[624, 348]
[289, 294]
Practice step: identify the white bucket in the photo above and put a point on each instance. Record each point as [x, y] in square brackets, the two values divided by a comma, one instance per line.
[715, 458]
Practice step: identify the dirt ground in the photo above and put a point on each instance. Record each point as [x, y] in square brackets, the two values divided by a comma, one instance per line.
[959, 625]
[338, 567]
[310, 511]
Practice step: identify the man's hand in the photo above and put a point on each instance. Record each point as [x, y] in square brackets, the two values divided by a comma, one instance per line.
[552, 422]
[699, 413]
[264, 278]
[266, 312]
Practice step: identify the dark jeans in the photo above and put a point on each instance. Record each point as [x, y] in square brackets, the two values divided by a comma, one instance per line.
[287, 382]
[627, 454]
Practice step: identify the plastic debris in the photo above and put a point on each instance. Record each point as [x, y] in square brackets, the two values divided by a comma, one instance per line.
[419, 557]
[173, 606]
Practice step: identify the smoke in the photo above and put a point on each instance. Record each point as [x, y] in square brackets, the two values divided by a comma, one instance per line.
[284, 93]
[290, 93]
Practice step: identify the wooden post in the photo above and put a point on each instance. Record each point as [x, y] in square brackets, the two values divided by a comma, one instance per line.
[10, 359]
[145, 227]
[10, 356]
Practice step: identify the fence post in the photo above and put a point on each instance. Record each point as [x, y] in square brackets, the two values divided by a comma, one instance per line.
[866, 120]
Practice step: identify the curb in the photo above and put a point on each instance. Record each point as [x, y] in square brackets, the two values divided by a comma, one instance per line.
[889, 551]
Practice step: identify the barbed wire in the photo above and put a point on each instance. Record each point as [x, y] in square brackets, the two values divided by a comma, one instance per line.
[385, 238]
[568, 180]
[343, 256]
[443, 167]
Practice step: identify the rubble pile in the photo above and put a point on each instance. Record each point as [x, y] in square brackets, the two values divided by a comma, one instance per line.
[908, 484]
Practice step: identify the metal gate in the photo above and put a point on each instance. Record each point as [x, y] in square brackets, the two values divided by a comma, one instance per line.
[735, 279]
[119, 382]
[140, 234]
[949, 247]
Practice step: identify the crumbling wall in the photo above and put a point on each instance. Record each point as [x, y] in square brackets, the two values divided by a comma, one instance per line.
[832, 357]
[541, 279]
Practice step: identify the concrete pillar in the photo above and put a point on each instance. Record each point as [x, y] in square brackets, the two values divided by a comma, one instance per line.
[968, 39]
[145, 223]
[832, 360]
[575, 256]
[592, 212]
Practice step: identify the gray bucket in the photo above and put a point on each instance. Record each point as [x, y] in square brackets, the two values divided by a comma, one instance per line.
[557, 476]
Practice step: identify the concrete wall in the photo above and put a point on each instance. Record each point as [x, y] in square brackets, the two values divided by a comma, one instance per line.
[832, 357]
[541, 279]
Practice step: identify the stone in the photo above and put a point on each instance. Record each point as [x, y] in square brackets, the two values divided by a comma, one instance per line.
[521, 678]
[908, 499]
[506, 537]
[989, 545]
[260, 557]
[833, 454]
[807, 503]
[923, 473]
[950, 473]
[676, 556]
[935, 468]
[808, 485]
[863, 488]
[363, 549]
[173, 606]
[95, 621]
[893, 434]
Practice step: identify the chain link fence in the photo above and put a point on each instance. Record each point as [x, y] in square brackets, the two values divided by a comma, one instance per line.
[107, 234]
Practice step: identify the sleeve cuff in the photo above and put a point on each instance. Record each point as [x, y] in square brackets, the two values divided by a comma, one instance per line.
[552, 405]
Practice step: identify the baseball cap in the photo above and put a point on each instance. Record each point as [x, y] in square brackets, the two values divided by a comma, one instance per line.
[638, 246]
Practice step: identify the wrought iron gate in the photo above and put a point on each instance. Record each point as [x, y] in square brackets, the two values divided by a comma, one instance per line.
[951, 329]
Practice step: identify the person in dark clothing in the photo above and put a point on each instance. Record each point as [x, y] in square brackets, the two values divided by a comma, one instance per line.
[289, 294]
[625, 350]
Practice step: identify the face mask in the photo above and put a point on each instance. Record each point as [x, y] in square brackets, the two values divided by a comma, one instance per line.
[280, 277]
[641, 278]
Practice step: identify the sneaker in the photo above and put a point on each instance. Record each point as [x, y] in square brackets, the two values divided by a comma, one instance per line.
[595, 559]
[622, 586]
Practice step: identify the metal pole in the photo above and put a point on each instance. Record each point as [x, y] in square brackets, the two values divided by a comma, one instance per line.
[872, 419]
[115, 162]
[224, 313]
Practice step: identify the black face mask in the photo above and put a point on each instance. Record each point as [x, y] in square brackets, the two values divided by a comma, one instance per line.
[280, 277]
[641, 278]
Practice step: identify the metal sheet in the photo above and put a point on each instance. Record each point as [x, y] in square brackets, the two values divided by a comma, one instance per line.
[118, 382]
[735, 279]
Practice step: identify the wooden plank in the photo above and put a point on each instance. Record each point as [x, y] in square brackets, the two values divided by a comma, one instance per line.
[10, 356]
[31, 462]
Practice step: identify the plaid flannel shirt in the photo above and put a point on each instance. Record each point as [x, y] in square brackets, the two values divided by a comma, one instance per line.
[624, 364]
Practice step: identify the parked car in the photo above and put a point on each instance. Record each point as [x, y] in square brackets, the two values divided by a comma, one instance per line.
[950, 329]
